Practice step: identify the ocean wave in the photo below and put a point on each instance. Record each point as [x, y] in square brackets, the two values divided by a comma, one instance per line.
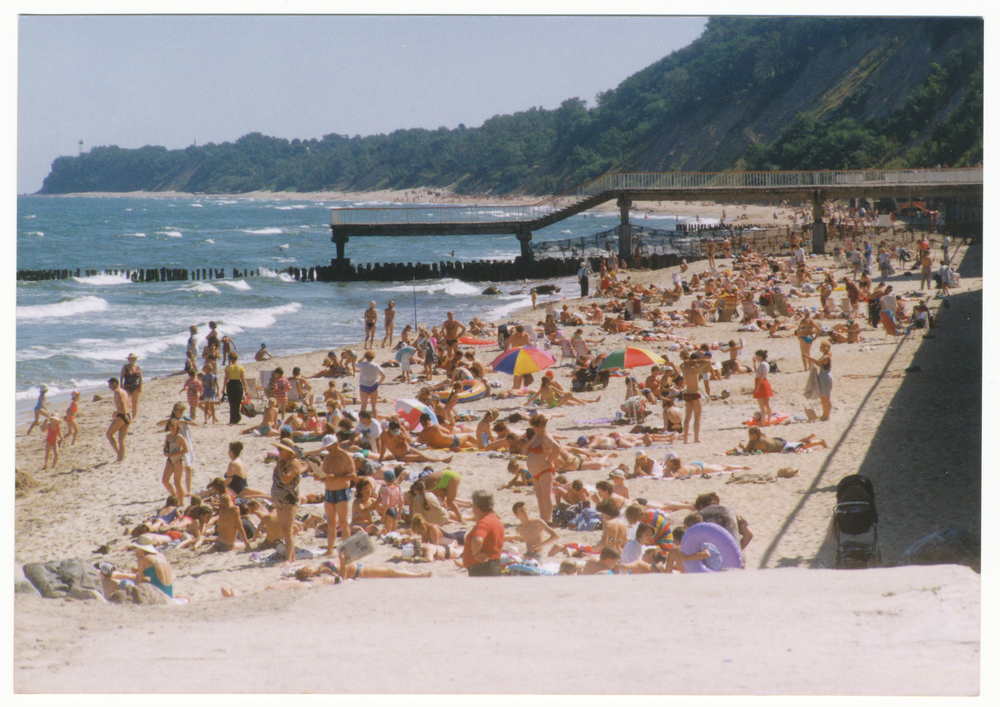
[135, 235]
[201, 287]
[235, 284]
[263, 231]
[196, 205]
[104, 279]
[65, 308]
[287, 260]
[209, 240]
[500, 313]
[293, 206]
[283, 276]
[448, 286]
[33, 233]
[172, 234]
[239, 321]
[57, 389]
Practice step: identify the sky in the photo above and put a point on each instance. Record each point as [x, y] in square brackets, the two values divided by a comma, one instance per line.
[175, 80]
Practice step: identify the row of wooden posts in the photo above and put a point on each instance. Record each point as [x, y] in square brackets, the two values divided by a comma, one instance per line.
[472, 271]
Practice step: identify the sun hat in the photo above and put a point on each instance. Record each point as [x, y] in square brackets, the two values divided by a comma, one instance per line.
[618, 473]
[671, 455]
[75, 394]
[359, 455]
[389, 476]
[284, 446]
[640, 455]
[144, 543]
[131, 356]
[581, 440]
[329, 440]
[44, 388]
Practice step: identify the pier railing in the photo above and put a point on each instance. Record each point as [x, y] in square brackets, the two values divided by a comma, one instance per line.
[663, 182]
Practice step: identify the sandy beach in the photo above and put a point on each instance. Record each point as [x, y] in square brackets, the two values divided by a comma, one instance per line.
[794, 631]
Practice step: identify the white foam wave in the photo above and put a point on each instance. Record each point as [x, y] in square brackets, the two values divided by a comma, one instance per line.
[565, 230]
[283, 246]
[283, 276]
[209, 240]
[172, 234]
[235, 284]
[66, 308]
[30, 216]
[196, 205]
[294, 206]
[499, 313]
[135, 235]
[447, 286]
[257, 318]
[54, 390]
[34, 233]
[104, 279]
[286, 260]
[201, 287]
[263, 231]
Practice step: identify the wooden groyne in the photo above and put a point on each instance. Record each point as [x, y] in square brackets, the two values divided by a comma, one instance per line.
[769, 240]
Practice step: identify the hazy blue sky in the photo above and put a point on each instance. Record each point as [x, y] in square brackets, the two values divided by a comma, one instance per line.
[173, 80]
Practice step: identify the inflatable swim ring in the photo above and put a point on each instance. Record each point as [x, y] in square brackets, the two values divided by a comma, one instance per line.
[472, 390]
[471, 341]
[700, 533]
[776, 419]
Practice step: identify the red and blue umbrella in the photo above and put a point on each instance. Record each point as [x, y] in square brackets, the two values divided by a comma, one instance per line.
[526, 359]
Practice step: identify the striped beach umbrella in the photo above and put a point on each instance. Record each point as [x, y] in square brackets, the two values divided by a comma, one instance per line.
[410, 410]
[526, 359]
[629, 357]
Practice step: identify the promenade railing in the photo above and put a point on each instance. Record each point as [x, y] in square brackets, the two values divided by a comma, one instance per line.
[652, 181]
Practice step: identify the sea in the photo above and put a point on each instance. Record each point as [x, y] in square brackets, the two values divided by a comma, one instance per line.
[76, 333]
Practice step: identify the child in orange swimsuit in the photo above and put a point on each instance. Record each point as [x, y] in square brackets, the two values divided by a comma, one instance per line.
[53, 436]
[71, 411]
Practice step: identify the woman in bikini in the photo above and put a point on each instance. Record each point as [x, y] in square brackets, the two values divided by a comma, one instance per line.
[363, 507]
[542, 452]
[762, 387]
[444, 484]
[431, 535]
[174, 449]
[806, 332]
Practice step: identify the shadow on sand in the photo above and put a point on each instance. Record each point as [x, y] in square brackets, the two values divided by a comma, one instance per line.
[925, 458]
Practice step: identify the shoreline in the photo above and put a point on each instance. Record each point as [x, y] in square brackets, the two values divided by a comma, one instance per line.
[754, 213]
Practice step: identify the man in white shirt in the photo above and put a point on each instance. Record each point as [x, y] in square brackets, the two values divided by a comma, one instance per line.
[368, 430]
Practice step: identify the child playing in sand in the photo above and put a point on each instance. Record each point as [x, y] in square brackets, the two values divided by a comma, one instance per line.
[53, 436]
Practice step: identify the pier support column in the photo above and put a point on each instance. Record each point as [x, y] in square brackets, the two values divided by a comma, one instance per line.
[625, 231]
[340, 241]
[524, 236]
[819, 226]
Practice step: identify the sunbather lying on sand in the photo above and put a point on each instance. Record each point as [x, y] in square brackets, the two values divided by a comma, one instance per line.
[761, 442]
[678, 469]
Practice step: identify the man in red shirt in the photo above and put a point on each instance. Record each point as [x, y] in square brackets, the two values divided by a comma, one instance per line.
[484, 542]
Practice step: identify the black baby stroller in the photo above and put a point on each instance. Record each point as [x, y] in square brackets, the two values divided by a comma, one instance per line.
[855, 524]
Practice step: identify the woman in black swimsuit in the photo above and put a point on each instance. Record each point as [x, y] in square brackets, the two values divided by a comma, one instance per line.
[131, 376]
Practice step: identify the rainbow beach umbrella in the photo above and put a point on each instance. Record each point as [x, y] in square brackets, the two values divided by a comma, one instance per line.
[410, 410]
[629, 357]
[526, 359]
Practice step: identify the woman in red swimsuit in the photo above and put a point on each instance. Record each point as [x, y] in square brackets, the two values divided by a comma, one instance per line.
[542, 451]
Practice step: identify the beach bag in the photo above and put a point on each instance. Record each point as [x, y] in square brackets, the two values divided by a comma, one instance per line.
[247, 408]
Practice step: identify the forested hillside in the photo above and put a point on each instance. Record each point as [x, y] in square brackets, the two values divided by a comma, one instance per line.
[750, 93]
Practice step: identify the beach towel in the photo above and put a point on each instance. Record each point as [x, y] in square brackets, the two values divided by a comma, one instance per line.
[812, 384]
